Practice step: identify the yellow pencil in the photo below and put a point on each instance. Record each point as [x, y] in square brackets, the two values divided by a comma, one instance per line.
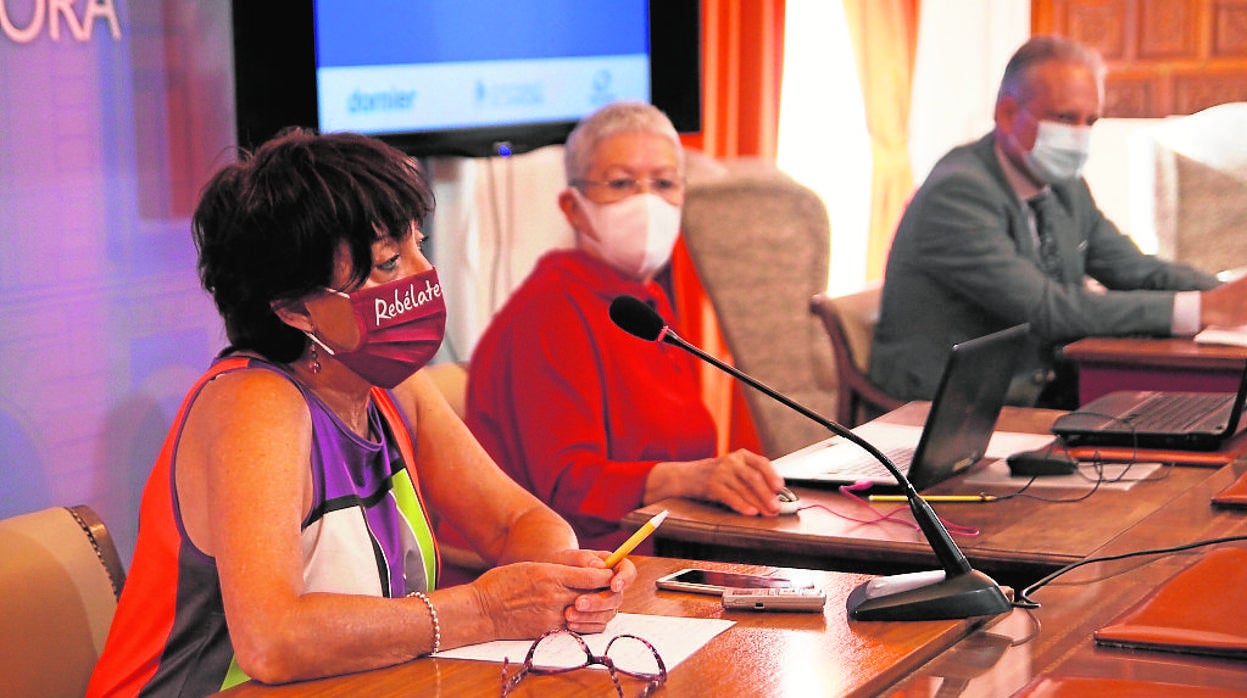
[935, 498]
[642, 533]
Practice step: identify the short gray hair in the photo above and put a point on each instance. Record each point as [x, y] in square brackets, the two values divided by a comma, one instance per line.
[1045, 48]
[612, 119]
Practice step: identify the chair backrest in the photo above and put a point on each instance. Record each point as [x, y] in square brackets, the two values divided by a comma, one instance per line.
[1201, 187]
[60, 577]
[760, 242]
[850, 324]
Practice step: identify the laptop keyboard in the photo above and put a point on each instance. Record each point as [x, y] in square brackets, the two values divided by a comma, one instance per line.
[1173, 412]
[864, 466]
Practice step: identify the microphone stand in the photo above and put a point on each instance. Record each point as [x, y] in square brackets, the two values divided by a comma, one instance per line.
[954, 591]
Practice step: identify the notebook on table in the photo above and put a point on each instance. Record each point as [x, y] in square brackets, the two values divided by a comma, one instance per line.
[1200, 610]
[1234, 496]
[1162, 419]
[958, 427]
[1057, 686]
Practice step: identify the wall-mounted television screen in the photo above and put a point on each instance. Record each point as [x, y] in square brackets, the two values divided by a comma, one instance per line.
[460, 77]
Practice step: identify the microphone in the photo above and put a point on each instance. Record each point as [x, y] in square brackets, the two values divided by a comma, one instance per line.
[954, 591]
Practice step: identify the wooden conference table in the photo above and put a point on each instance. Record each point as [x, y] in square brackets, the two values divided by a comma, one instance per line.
[800, 654]
[783, 654]
[1077, 603]
[1020, 539]
[1139, 363]
[763, 654]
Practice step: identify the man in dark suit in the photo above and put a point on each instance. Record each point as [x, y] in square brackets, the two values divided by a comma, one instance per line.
[1005, 231]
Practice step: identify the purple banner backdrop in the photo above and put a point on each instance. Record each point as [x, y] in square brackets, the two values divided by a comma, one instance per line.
[112, 116]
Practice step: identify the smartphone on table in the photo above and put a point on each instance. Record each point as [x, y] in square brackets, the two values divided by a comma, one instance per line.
[715, 582]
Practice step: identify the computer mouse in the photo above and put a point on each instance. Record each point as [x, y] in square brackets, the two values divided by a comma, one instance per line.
[789, 502]
[1041, 462]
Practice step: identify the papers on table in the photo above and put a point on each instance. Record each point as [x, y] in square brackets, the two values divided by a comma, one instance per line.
[997, 473]
[1005, 443]
[816, 458]
[674, 638]
[1235, 336]
[820, 457]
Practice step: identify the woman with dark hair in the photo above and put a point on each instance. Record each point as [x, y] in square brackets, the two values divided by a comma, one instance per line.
[285, 530]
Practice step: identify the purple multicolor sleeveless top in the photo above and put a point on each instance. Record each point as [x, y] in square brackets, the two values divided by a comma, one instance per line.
[366, 533]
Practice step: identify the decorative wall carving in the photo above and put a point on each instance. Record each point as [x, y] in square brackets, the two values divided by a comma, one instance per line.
[1164, 57]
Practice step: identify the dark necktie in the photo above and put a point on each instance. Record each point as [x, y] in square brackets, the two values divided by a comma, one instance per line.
[1046, 214]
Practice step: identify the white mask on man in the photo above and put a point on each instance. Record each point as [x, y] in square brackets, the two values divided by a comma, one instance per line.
[1060, 152]
[635, 235]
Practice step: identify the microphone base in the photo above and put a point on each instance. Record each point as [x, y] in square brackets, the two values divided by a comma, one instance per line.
[927, 596]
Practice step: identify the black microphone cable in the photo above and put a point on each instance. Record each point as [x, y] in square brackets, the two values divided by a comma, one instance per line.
[1022, 598]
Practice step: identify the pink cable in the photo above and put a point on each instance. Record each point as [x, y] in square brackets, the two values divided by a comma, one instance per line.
[850, 491]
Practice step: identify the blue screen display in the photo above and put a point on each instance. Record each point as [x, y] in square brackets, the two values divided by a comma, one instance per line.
[352, 33]
[402, 66]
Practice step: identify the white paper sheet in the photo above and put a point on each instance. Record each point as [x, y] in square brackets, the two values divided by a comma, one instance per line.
[997, 473]
[675, 639]
[1236, 336]
[819, 457]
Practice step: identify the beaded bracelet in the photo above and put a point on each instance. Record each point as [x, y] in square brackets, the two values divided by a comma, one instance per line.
[437, 626]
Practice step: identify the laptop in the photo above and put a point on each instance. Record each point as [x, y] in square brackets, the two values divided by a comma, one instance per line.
[958, 427]
[1160, 419]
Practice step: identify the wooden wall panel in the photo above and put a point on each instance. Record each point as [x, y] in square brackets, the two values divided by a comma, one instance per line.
[1099, 24]
[1229, 30]
[1164, 56]
[1130, 92]
[1168, 30]
[1200, 90]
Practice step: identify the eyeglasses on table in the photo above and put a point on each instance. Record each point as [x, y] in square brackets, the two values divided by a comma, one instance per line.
[561, 650]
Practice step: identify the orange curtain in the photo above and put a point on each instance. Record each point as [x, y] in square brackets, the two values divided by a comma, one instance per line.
[885, 39]
[742, 61]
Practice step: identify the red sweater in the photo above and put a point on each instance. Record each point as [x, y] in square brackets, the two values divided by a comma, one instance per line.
[575, 409]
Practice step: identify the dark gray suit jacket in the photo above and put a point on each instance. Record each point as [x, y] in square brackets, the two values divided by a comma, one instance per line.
[963, 265]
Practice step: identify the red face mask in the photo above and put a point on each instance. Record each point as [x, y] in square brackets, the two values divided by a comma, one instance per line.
[400, 327]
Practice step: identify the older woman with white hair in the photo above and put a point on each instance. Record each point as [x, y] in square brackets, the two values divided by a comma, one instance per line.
[591, 420]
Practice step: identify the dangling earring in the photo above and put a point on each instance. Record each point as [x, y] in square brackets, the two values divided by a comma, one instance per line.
[314, 364]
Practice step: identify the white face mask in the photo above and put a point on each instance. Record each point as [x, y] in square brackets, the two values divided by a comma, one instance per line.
[635, 235]
[1060, 152]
